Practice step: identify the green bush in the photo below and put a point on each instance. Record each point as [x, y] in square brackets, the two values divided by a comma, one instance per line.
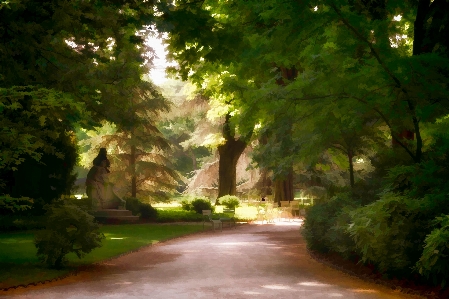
[178, 216]
[67, 229]
[84, 203]
[434, 262]
[325, 225]
[338, 237]
[200, 204]
[229, 201]
[133, 205]
[186, 205]
[138, 208]
[147, 211]
[389, 233]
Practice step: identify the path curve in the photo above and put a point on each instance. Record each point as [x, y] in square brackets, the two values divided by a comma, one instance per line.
[252, 261]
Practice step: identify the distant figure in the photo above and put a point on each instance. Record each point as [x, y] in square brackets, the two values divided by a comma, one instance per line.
[263, 198]
[98, 188]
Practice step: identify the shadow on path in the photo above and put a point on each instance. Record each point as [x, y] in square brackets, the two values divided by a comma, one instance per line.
[252, 261]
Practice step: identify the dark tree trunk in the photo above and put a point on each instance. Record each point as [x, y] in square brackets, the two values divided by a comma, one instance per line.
[230, 153]
[351, 169]
[266, 184]
[132, 164]
[283, 189]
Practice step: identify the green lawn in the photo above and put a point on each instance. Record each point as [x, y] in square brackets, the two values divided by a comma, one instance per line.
[19, 264]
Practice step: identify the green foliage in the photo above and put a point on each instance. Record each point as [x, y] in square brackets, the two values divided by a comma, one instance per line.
[201, 203]
[133, 204]
[138, 208]
[178, 216]
[68, 64]
[185, 126]
[84, 204]
[434, 262]
[389, 233]
[229, 201]
[186, 205]
[67, 229]
[32, 120]
[136, 146]
[147, 211]
[10, 204]
[338, 236]
[46, 180]
[354, 78]
[326, 223]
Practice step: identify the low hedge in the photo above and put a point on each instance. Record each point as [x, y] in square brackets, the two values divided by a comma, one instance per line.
[178, 216]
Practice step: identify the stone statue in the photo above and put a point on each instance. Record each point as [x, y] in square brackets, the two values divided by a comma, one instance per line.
[98, 188]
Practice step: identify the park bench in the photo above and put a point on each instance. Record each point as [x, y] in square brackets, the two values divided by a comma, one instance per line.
[207, 217]
[230, 220]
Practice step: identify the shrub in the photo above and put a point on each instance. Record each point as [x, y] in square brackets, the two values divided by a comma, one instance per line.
[178, 215]
[389, 233]
[147, 211]
[337, 237]
[138, 208]
[67, 229]
[200, 204]
[326, 223]
[186, 205]
[84, 204]
[434, 261]
[45, 180]
[229, 201]
[133, 205]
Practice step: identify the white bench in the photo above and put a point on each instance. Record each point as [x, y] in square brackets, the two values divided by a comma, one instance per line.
[207, 217]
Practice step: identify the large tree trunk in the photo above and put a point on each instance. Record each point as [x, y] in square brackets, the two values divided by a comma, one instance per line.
[132, 163]
[351, 169]
[283, 189]
[230, 153]
[266, 184]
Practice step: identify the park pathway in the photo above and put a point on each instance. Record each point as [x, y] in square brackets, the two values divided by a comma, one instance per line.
[252, 261]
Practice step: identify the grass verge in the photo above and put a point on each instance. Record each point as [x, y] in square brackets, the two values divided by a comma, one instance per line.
[20, 265]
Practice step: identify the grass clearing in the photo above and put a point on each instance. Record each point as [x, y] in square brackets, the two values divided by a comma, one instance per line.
[20, 265]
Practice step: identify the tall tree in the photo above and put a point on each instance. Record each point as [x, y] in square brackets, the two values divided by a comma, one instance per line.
[138, 148]
[362, 51]
[63, 65]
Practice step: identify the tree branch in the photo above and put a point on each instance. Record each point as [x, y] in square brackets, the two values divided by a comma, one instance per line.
[411, 105]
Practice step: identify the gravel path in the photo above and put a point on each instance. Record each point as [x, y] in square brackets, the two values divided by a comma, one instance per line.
[252, 261]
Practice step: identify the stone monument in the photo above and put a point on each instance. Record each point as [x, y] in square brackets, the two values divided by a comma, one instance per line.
[107, 206]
